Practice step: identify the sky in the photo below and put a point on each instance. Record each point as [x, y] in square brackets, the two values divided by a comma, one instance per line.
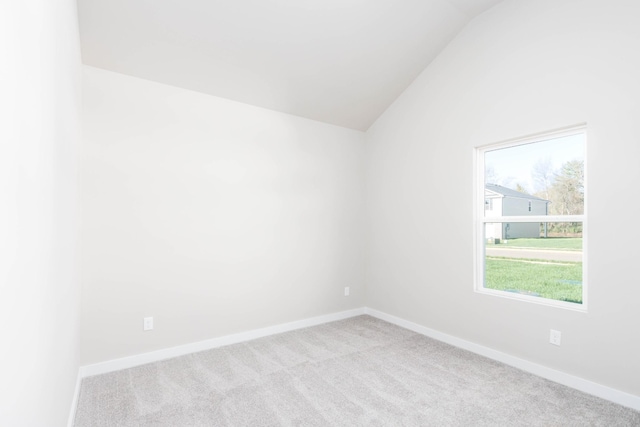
[513, 165]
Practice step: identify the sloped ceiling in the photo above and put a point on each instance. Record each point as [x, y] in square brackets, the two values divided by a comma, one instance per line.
[337, 61]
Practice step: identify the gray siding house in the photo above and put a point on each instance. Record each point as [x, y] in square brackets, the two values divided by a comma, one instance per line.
[503, 201]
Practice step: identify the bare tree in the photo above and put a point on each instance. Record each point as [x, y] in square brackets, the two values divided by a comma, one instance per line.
[490, 175]
[543, 176]
[568, 188]
[521, 188]
[567, 195]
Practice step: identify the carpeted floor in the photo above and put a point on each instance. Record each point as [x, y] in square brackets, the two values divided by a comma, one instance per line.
[356, 372]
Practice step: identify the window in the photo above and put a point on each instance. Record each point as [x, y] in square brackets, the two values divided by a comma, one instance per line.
[530, 224]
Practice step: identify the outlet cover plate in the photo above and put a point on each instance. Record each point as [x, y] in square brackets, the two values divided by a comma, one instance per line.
[148, 323]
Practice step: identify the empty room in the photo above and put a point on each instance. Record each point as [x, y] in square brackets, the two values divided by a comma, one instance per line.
[319, 213]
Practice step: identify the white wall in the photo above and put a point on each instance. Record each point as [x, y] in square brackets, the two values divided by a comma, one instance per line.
[39, 136]
[521, 68]
[212, 216]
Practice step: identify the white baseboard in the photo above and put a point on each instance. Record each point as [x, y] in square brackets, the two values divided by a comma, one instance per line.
[595, 389]
[154, 356]
[74, 401]
[604, 392]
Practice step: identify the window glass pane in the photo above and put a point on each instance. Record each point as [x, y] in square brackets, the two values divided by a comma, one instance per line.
[520, 259]
[539, 178]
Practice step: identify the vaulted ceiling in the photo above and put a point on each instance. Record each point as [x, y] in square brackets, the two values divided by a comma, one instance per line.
[337, 61]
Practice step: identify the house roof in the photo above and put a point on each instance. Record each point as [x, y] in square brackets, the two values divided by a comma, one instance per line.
[508, 192]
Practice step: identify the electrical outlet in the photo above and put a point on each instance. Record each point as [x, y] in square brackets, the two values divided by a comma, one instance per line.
[555, 337]
[148, 323]
[346, 291]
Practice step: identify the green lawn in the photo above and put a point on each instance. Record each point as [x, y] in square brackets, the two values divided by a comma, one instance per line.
[560, 243]
[548, 279]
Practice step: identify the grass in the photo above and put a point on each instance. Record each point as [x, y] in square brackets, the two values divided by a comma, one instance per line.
[559, 243]
[555, 280]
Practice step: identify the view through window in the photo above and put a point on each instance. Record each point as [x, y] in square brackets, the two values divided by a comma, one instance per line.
[531, 218]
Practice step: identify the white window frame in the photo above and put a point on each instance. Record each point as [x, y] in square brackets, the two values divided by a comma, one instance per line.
[481, 219]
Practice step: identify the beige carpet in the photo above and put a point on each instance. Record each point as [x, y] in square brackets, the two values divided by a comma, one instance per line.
[356, 372]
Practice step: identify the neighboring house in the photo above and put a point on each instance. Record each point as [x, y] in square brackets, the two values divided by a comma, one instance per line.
[503, 201]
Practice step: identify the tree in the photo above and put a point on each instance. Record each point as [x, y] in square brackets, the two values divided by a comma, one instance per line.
[567, 190]
[521, 188]
[543, 176]
[490, 175]
[567, 195]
